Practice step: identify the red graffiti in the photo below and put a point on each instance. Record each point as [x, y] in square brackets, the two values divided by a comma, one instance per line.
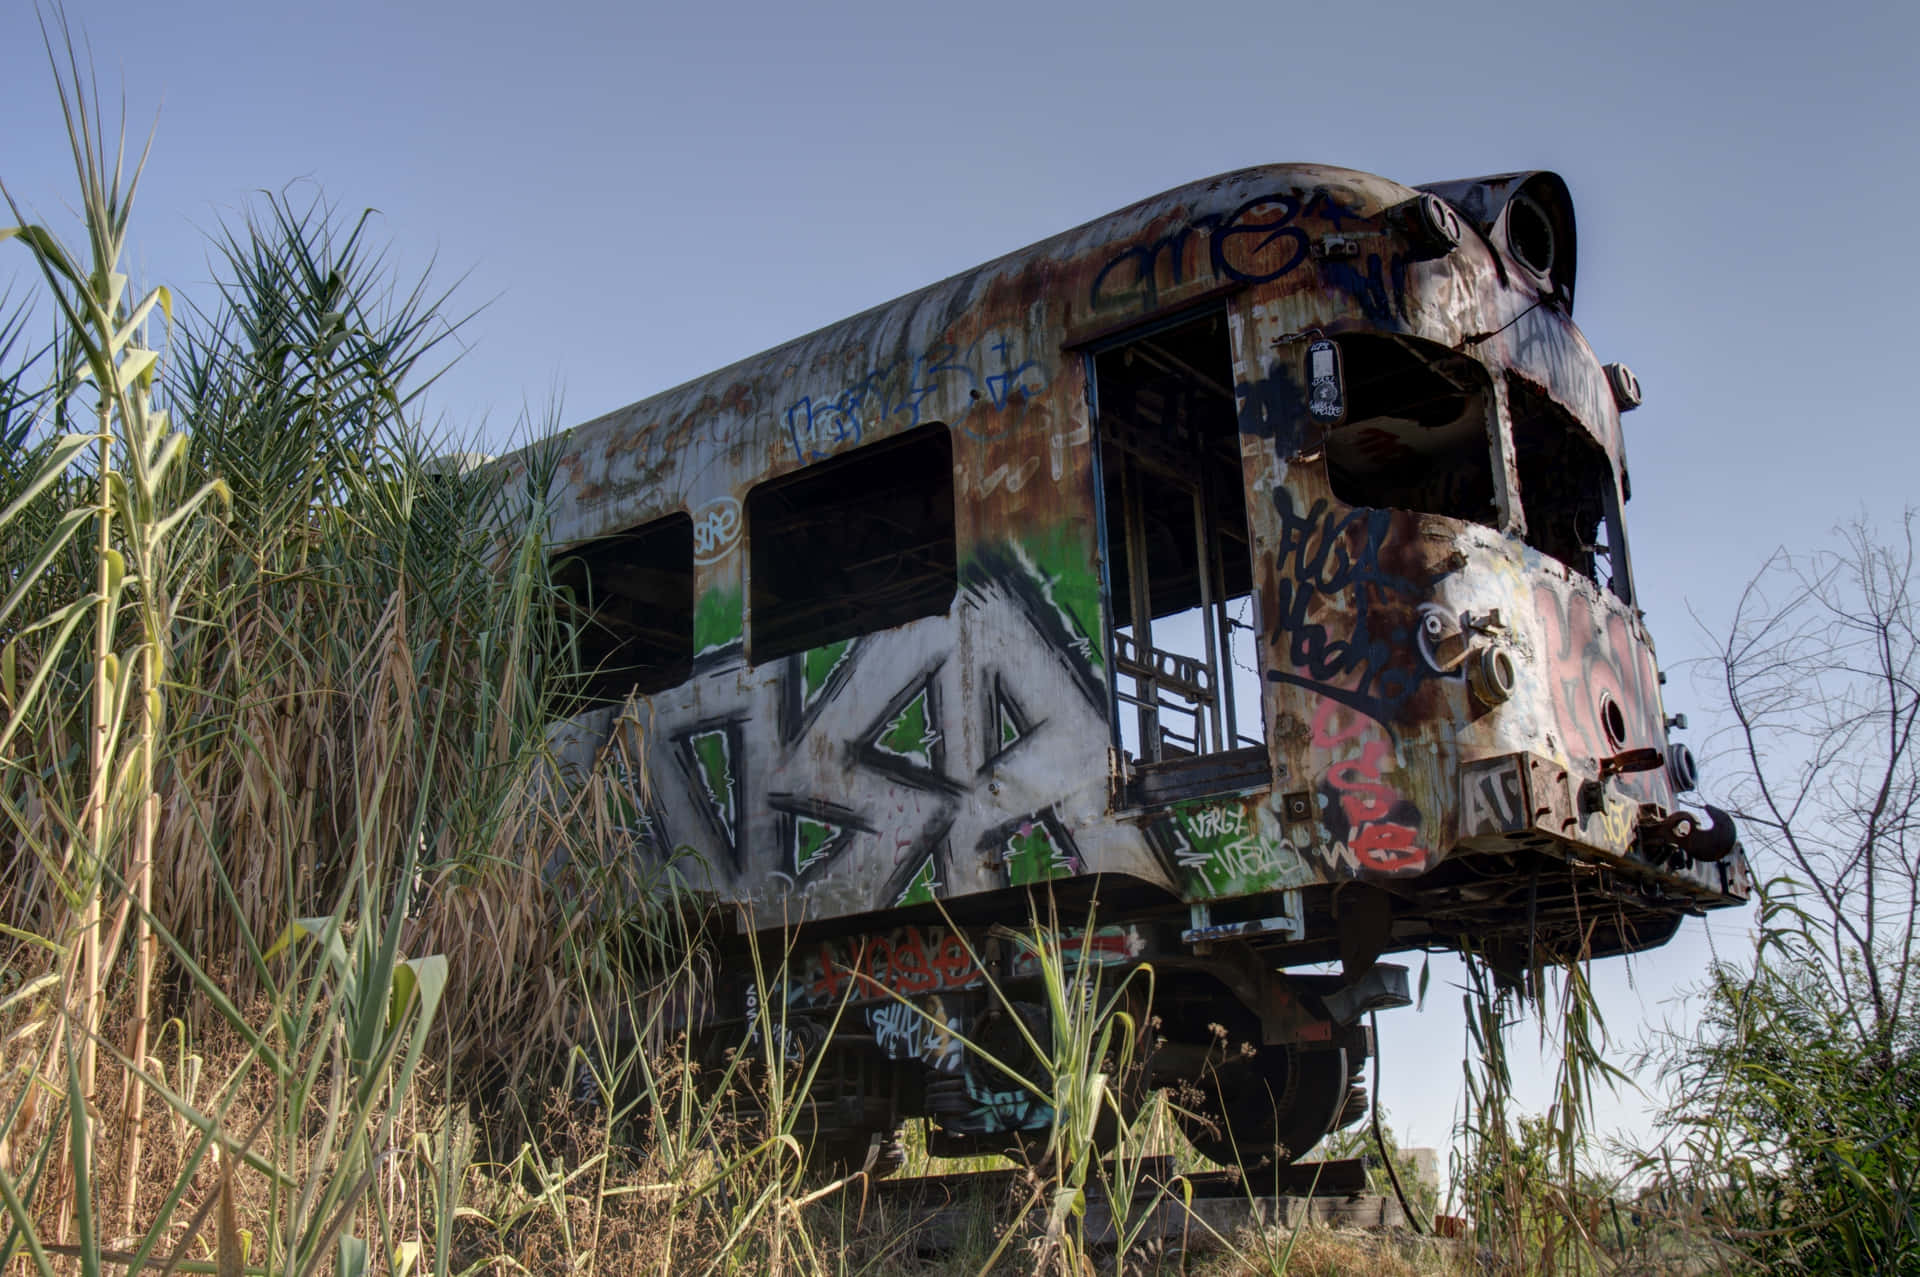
[1378, 836]
[1592, 659]
[1362, 796]
[1324, 737]
[908, 962]
[1385, 845]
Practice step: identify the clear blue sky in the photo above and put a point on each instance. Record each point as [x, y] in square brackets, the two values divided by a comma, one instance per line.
[641, 193]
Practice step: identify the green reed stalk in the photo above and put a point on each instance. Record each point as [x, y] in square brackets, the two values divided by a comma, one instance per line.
[133, 450]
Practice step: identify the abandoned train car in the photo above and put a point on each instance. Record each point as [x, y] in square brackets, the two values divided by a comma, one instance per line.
[1250, 560]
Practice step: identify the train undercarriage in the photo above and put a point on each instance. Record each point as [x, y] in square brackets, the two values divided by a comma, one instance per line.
[985, 1058]
[1260, 1036]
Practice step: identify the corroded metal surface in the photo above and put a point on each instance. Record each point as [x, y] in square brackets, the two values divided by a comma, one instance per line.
[974, 751]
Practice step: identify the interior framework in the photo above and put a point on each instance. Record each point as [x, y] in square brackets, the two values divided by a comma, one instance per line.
[1179, 567]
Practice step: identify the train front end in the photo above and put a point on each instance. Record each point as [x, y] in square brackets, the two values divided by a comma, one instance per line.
[1464, 712]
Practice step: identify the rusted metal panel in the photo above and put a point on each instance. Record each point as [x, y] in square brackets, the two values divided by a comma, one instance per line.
[970, 752]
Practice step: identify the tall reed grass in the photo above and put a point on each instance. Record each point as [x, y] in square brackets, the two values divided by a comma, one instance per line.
[274, 692]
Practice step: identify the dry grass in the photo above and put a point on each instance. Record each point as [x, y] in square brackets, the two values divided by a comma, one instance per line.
[1318, 1251]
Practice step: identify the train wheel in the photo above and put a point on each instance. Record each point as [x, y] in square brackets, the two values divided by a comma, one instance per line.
[1272, 1107]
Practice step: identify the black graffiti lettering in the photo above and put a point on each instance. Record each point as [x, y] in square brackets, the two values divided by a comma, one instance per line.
[1322, 554]
[1276, 229]
[1145, 260]
[1275, 408]
[1331, 208]
[1381, 289]
[1133, 277]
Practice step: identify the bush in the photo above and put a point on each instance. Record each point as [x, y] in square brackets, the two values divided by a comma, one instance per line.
[1794, 1102]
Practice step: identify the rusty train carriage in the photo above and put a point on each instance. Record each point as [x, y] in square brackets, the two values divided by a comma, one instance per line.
[1254, 552]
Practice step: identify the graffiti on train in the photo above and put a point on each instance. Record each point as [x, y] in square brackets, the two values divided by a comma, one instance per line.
[1229, 847]
[918, 1030]
[1592, 661]
[871, 770]
[716, 530]
[1371, 663]
[1074, 948]
[1373, 826]
[961, 386]
[908, 961]
[1256, 243]
[790, 1038]
[1551, 352]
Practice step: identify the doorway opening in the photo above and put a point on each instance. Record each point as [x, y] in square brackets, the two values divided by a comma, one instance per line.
[1180, 570]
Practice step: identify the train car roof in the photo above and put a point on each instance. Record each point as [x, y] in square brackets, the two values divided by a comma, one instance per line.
[1123, 224]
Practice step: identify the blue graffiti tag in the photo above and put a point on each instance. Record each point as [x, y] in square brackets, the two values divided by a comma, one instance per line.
[989, 372]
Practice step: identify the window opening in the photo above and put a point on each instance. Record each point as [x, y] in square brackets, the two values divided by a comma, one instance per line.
[1186, 668]
[851, 545]
[1567, 491]
[630, 597]
[1416, 435]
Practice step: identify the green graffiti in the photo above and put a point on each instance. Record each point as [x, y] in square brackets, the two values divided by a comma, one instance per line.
[717, 621]
[716, 773]
[922, 888]
[811, 838]
[1060, 562]
[909, 736]
[819, 665]
[1033, 856]
[1230, 847]
[1009, 730]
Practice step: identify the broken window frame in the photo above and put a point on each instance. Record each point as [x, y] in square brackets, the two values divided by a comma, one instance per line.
[1148, 683]
[778, 546]
[1533, 416]
[1366, 399]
